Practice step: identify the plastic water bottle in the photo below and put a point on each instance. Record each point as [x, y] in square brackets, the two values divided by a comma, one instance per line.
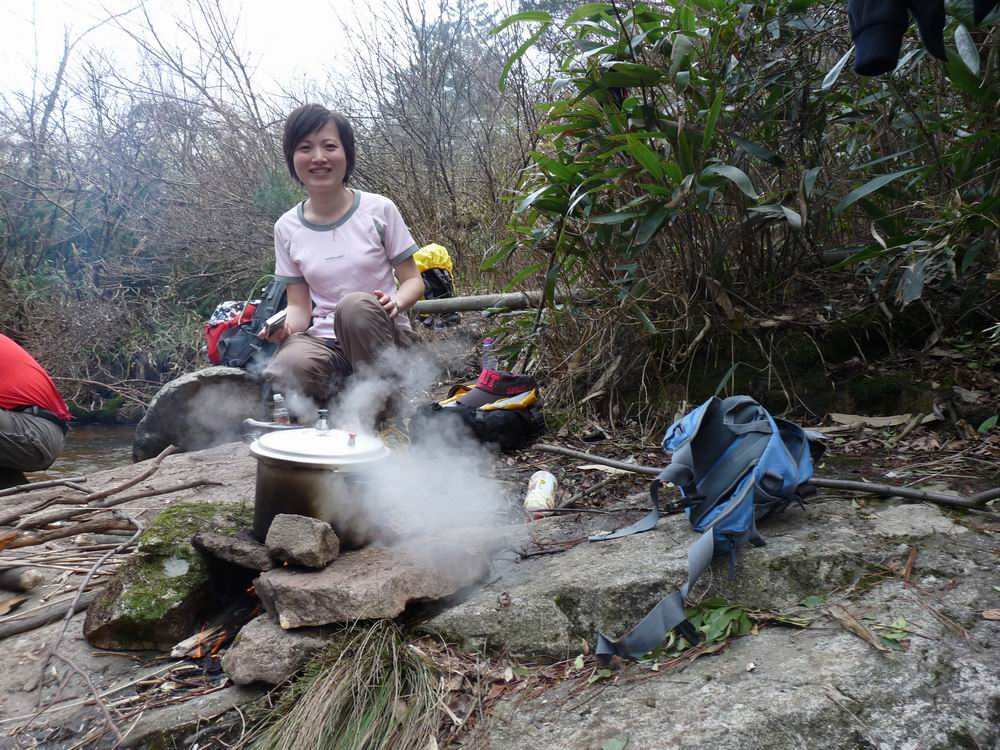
[280, 413]
[489, 359]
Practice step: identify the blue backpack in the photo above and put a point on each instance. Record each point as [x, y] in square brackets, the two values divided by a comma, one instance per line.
[734, 464]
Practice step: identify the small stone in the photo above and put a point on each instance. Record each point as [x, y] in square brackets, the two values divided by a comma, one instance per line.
[263, 652]
[302, 540]
[247, 553]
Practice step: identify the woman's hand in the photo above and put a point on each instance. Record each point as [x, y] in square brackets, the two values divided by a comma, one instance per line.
[388, 304]
[277, 335]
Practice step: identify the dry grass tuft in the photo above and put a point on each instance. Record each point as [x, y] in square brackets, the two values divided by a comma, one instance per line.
[368, 691]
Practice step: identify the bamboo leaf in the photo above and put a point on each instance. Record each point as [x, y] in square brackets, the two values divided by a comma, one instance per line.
[869, 187]
[831, 78]
[618, 217]
[794, 218]
[586, 11]
[645, 156]
[651, 224]
[521, 276]
[734, 174]
[809, 180]
[531, 198]
[967, 49]
[527, 15]
[761, 152]
[519, 53]
[713, 116]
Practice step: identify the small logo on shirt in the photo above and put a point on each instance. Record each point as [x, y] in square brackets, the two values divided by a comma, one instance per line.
[334, 257]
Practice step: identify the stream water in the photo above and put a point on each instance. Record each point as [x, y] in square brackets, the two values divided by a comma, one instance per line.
[91, 448]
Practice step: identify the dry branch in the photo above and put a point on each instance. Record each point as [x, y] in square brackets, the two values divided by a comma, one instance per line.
[40, 485]
[34, 522]
[975, 501]
[29, 540]
[47, 615]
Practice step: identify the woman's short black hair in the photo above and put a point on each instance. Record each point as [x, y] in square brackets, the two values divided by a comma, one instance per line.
[305, 121]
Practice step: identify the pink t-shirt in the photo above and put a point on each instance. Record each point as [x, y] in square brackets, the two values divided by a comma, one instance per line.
[355, 254]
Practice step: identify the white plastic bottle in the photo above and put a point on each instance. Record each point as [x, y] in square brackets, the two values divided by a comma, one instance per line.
[541, 494]
[489, 359]
[280, 413]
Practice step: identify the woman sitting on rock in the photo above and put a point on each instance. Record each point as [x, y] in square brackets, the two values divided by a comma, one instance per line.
[341, 252]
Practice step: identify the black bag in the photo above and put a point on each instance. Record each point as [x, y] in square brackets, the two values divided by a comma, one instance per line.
[493, 424]
[240, 346]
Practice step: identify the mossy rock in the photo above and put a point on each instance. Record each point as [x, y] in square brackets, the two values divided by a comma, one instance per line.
[158, 594]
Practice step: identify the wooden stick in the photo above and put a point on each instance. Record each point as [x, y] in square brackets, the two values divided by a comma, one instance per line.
[49, 614]
[30, 540]
[956, 501]
[586, 491]
[594, 458]
[40, 485]
[62, 515]
[154, 465]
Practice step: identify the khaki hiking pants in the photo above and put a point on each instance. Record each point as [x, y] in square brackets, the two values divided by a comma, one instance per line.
[317, 368]
[27, 443]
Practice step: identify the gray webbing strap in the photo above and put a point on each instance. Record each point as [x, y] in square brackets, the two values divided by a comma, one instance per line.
[676, 473]
[665, 616]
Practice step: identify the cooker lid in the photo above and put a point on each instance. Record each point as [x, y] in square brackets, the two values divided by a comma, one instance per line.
[326, 448]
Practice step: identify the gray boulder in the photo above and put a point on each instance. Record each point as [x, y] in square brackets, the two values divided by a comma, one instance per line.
[157, 596]
[263, 652]
[302, 540]
[198, 410]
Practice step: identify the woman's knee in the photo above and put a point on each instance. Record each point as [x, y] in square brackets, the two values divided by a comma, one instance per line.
[357, 303]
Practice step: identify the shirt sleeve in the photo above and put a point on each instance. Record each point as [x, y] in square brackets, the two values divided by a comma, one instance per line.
[396, 237]
[285, 268]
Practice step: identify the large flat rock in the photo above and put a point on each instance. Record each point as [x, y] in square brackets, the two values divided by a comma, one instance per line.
[554, 602]
[376, 582]
[820, 688]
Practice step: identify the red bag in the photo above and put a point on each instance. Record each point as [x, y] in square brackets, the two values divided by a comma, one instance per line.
[218, 324]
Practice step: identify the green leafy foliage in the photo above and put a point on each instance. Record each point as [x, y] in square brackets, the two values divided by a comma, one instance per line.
[694, 141]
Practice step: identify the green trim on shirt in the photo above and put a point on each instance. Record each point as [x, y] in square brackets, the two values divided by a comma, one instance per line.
[290, 279]
[300, 210]
[405, 255]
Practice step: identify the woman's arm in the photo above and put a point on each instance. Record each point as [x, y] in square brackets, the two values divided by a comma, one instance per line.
[411, 289]
[299, 316]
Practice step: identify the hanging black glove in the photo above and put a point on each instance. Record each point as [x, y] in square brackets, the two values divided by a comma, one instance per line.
[877, 27]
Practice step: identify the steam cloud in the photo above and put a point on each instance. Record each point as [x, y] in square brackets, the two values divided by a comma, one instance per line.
[440, 482]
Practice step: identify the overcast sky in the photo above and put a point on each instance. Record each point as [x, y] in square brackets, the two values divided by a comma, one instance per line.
[284, 39]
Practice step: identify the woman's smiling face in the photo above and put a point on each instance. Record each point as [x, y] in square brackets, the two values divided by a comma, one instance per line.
[320, 161]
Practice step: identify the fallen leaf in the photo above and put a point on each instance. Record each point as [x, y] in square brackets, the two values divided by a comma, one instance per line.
[969, 397]
[855, 419]
[7, 538]
[991, 614]
[508, 675]
[849, 623]
[11, 603]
